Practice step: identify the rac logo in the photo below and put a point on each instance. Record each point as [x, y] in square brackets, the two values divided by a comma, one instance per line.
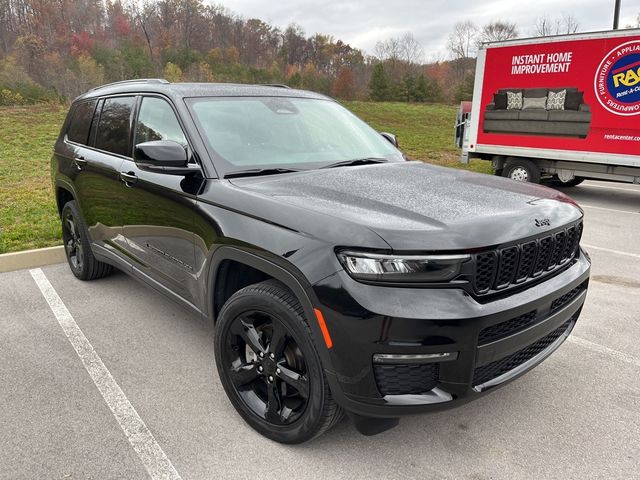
[617, 80]
[628, 78]
[543, 222]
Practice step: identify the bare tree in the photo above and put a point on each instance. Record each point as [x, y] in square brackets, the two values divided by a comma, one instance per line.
[498, 31]
[405, 48]
[463, 40]
[569, 24]
[546, 26]
[410, 48]
[144, 13]
[388, 49]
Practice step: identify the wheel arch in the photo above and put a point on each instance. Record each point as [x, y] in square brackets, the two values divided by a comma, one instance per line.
[293, 280]
[64, 193]
[225, 256]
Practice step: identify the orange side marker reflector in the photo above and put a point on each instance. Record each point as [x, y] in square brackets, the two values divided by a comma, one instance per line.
[323, 328]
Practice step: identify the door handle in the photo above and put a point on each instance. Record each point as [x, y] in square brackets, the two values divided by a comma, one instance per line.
[128, 178]
[80, 162]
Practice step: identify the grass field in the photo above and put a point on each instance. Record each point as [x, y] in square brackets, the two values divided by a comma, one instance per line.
[28, 217]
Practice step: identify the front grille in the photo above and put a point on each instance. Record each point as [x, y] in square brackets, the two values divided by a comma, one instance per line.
[517, 324]
[518, 264]
[485, 271]
[560, 302]
[504, 329]
[402, 379]
[500, 367]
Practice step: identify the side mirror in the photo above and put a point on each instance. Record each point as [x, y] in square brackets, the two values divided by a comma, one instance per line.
[391, 138]
[160, 155]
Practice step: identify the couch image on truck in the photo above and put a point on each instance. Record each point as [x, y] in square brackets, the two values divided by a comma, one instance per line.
[537, 113]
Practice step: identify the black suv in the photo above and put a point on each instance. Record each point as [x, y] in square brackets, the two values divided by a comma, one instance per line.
[339, 275]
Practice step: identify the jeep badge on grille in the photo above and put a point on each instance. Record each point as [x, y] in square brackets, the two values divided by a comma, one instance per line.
[543, 222]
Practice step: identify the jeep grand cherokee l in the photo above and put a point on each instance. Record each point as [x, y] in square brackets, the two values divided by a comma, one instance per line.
[340, 276]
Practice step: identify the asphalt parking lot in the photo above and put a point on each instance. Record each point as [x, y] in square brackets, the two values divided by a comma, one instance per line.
[575, 416]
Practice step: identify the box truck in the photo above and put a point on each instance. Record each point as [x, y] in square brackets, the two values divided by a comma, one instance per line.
[561, 108]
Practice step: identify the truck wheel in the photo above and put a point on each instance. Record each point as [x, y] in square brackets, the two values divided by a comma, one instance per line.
[571, 183]
[269, 365]
[76, 245]
[521, 170]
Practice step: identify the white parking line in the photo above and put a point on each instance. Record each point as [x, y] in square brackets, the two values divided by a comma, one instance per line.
[141, 439]
[635, 190]
[608, 250]
[596, 347]
[609, 209]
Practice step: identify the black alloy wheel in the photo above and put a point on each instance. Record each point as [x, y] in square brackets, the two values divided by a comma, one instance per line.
[269, 365]
[72, 242]
[266, 367]
[76, 245]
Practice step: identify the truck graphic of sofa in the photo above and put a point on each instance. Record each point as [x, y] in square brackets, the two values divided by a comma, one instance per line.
[571, 119]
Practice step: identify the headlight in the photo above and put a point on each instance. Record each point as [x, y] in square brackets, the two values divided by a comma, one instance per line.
[402, 268]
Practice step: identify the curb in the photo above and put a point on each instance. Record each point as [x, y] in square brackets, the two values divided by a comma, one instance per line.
[38, 257]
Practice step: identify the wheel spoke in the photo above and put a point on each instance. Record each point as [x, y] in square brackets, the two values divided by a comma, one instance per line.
[243, 374]
[272, 411]
[285, 414]
[79, 253]
[278, 339]
[70, 246]
[72, 227]
[249, 334]
[295, 380]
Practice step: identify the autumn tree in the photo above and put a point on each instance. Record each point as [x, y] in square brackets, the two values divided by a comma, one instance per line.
[172, 72]
[344, 85]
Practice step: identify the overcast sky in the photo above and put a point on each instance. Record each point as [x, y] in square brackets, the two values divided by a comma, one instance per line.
[363, 23]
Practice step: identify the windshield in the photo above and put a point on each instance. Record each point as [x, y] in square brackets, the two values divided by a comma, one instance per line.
[296, 133]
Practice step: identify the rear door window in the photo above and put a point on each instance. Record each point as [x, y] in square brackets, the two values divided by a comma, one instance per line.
[78, 131]
[114, 127]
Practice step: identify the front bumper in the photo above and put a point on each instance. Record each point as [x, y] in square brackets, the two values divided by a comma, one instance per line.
[489, 343]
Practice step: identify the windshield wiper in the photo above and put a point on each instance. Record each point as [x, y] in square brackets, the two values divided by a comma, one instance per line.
[254, 172]
[357, 161]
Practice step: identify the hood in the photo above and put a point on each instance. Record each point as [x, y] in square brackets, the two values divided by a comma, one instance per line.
[421, 207]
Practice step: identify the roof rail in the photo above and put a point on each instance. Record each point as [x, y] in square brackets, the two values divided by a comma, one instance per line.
[137, 80]
[278, 85]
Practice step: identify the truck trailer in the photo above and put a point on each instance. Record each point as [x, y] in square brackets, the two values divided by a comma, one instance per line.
[560, 108]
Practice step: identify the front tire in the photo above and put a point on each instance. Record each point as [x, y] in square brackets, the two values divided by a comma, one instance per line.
[521, 170]
[269, 365]
[76, 245]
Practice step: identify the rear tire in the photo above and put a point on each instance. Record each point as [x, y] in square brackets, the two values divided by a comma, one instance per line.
[269, 365]
[77, 247]
[574, 182]
[521, 170]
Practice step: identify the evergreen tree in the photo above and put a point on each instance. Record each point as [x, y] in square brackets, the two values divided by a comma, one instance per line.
[409, 87]
[379, 84]
[421, 90]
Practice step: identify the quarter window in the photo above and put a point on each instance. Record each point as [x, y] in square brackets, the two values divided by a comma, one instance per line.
[157, 121]
[78, 130]
[115, 125]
